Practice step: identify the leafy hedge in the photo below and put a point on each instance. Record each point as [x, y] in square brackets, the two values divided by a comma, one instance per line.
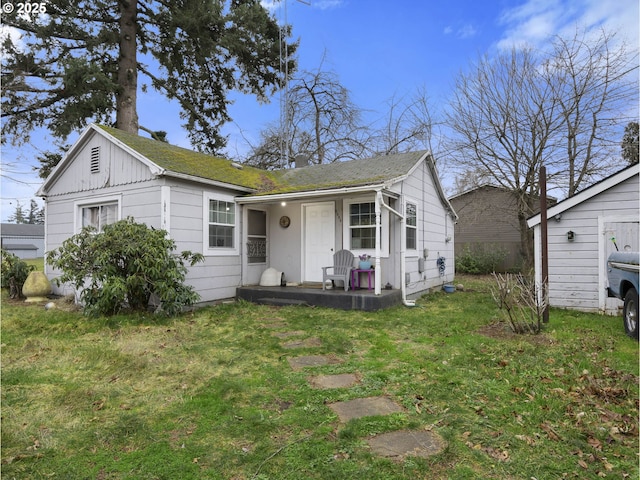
[482, 259]
[14, 273]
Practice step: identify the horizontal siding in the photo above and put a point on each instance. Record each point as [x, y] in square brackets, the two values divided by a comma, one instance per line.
[434, 226]
[574, 267]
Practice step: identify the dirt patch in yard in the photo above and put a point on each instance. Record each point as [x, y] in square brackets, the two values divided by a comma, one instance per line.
[502, 331]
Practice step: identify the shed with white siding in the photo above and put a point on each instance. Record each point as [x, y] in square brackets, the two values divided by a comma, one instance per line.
[245, 220]
[582, 231]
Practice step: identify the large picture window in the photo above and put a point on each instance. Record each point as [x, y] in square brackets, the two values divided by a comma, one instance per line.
[222, 220]
[411, 226]
[362, 223]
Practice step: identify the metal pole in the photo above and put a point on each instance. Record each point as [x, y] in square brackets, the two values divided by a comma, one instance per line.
[544, 247]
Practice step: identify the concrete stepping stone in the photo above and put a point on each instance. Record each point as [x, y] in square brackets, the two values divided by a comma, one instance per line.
[298, 363]
[306, 343]
[364, 407]
[283, 335]
[403, 443]
[343, 380]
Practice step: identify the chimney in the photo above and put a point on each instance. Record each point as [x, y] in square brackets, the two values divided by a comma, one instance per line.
[300, 161]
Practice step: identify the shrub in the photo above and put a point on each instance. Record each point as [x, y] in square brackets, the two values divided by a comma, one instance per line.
[14, 272]
[123, 266]
[482, 259]
[519, 301]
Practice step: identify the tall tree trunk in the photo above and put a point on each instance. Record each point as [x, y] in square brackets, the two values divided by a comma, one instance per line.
[126, 98]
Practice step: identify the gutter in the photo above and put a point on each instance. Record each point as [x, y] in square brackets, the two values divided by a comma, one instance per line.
[266, 198]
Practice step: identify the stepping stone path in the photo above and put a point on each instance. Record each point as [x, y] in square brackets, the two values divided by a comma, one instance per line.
[394, 445]
[342, 380]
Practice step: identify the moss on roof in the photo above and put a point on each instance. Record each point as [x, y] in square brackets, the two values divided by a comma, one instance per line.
[365, 171]
[184, 161]
[352, 173]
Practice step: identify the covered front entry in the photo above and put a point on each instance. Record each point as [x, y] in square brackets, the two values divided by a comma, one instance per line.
[318, 239]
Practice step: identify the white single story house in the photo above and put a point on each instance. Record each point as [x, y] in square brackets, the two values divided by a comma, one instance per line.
[245, 220]
[24, 240]
[582, 231]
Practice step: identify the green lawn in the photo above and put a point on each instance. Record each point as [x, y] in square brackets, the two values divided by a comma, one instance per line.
[211, 395]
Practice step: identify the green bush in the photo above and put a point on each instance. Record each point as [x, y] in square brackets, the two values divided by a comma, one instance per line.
[482, 259]
[123, 266]
[14, 272]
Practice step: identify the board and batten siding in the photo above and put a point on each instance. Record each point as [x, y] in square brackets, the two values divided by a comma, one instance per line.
[576, 268]
[115, 167]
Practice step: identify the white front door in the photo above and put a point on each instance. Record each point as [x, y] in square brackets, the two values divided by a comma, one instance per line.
[319, 239]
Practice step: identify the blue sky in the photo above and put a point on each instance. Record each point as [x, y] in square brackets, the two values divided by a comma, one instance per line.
[379, 50]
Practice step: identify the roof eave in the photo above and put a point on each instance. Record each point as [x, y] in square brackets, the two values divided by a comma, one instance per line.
[207, 181]
[586, 194]
[279, 197]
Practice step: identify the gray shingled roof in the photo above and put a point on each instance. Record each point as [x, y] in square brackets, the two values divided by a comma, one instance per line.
[21, 230]
[352, 173]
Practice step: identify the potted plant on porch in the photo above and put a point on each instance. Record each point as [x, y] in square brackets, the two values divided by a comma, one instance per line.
[365, 262]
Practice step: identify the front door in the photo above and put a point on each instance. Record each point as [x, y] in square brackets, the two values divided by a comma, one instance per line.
[319, 239]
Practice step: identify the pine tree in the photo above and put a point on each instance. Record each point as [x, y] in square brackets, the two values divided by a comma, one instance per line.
[18, 216]
[79, 62]
[631, 143]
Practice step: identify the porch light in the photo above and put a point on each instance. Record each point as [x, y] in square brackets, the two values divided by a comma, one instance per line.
[284, 204]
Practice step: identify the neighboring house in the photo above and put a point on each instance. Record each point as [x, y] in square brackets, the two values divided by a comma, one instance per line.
[22, 239]
[488, 219]
[245, 220]
[582, 231]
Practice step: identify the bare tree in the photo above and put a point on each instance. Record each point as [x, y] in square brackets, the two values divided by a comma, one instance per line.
[518, 111]
[588, 76]
[502, 118]
[322, 124]
[407, 125]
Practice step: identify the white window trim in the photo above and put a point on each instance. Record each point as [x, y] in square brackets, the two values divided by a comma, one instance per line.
[246, 236]
[412, 251]
[346, 227]
[219, 251]
[95, 202]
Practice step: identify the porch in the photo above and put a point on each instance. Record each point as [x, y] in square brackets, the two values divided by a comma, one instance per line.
[313, 295]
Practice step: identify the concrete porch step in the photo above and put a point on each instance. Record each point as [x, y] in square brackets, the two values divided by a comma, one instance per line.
[280, 302]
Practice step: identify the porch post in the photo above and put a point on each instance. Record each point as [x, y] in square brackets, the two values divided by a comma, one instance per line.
[377, 276]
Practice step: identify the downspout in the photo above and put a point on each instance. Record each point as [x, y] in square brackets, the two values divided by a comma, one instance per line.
[377, 278]
[403, 247]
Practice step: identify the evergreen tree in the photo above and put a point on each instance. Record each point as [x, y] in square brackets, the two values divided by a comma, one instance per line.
[631, 143]
[78, 62]
[18, 216]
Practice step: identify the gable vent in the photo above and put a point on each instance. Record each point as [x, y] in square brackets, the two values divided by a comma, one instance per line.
[95, 160]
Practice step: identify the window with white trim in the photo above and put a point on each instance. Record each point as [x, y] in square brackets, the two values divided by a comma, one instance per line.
[97, 216]
[362, 226]
[222, 224]
[411, 225]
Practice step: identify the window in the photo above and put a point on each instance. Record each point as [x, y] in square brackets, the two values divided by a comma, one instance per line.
[98, 216]
[411, 226]
[362, 224]
[222, 219]
[257, 236]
